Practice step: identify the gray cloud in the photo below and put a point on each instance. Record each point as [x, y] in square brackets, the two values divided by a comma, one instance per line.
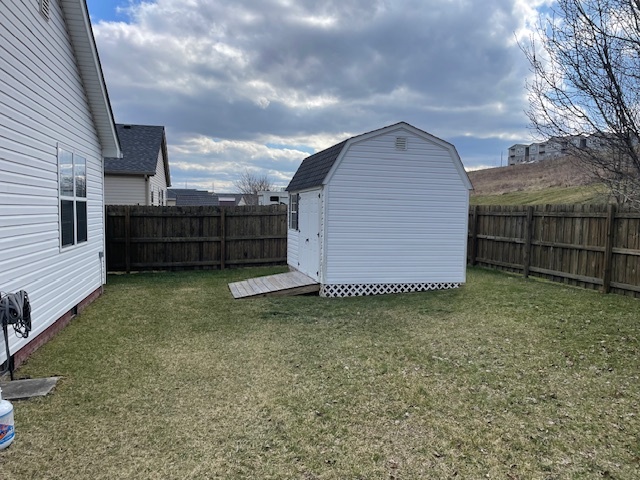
[250, 70]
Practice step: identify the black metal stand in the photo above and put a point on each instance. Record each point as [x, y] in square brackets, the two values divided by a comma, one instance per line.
[6, 346]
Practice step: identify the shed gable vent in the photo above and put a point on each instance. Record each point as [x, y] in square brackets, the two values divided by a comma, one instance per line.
[45, 8]
[401, 143]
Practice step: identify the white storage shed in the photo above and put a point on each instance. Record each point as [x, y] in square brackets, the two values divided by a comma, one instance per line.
[382, 212]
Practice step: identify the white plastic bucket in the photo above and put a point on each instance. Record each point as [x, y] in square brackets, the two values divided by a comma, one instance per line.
[7, 429]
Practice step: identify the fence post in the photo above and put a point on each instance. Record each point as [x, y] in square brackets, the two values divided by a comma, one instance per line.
[608, 249]
[223, 253]
[528, 236]
[127, 238]
[474, 236]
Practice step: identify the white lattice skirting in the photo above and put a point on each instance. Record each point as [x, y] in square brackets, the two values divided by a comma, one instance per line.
[355, 290]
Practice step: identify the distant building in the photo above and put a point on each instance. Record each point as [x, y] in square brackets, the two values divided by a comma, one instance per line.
[273, 198]
[553, 148]
[190, 197]
[235, 199]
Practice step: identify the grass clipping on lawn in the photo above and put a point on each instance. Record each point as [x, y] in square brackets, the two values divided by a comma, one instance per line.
[166, 376]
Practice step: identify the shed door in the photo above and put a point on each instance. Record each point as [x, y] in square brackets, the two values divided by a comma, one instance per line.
[309, 239]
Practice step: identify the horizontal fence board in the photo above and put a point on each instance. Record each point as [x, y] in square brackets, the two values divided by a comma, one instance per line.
[626, 251]
[194, 214]
[499, 263]
[624, 286]
[572, 276]
[199, 239]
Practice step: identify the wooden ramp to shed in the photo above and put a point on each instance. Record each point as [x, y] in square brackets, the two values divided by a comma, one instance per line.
[290, 283]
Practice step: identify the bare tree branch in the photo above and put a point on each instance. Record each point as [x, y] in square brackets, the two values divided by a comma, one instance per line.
[586, 83]
[250, 184]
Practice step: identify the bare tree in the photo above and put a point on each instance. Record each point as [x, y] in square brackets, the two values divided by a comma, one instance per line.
[250, 184]
[585, 60]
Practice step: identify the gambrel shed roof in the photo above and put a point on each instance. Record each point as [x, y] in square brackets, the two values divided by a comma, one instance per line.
[315, 169]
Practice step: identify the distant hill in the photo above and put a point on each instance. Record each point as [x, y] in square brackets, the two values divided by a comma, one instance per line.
[549, 181]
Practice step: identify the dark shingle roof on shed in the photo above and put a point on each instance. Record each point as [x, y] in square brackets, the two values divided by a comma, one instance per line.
[140, 147]
[314, 168]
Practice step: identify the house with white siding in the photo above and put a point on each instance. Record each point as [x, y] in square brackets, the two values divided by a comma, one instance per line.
[56, 127]
[382, 212]
[141, 176]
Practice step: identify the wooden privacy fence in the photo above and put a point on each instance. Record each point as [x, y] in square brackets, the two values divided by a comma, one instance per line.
[148, 238]
[592, 246]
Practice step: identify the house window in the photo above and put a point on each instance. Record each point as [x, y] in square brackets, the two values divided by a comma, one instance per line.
[151, 197]
[161, 197]
[293, 211]
[72, 171]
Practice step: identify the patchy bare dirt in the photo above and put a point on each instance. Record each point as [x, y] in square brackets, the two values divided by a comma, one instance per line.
[563, 172]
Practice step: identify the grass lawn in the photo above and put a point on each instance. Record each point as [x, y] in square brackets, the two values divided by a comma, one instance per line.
[166, 376]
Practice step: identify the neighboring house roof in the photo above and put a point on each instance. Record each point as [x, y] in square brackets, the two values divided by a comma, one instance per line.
[141, 145]
[198, 198]
[234, 199]
[315, 169]
[185, 197]
[86, 56]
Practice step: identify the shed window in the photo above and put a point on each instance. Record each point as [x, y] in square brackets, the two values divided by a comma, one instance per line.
[274, 199]
[293, 211]
[72, 179]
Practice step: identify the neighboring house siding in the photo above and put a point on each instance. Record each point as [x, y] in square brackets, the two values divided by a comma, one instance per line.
[125, 190]
[43, 104]
[158, 182]
[389, 214]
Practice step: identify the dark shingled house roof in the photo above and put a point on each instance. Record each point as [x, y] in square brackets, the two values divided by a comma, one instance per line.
[314, 168]
[140, 147]
[191, 197]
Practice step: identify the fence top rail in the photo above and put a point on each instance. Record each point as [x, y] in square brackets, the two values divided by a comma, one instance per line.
[194, 214]
[197, 209]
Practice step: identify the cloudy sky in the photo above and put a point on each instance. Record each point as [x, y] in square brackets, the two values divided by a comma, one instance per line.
[261, 84]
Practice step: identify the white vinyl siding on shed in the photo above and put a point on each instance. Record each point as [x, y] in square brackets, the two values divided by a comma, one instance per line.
[125, 190]
[395, 216]
[293, 237]
[42, 104]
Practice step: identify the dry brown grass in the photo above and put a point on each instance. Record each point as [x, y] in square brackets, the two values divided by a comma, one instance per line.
[587, 194]
[556, 173]
[166, 376]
